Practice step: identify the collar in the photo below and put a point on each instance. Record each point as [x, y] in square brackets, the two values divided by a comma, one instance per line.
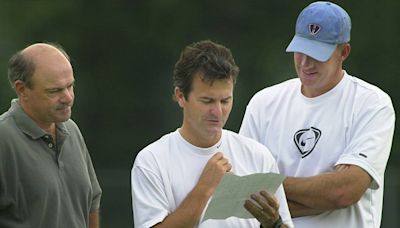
[28, 126]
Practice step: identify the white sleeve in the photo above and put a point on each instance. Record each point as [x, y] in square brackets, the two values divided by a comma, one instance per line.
[283, 207]
[371, 138]
[280, 193]
[149, 202]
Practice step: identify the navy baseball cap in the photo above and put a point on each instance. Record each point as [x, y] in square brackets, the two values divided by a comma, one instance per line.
[320, 27]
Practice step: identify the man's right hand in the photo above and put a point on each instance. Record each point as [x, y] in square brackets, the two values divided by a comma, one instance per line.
[189, 211]
[213, 172]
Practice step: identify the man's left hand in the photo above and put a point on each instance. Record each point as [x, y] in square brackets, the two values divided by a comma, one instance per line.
[264, 207]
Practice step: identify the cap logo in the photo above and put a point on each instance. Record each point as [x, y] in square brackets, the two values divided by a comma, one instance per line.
[314, 29]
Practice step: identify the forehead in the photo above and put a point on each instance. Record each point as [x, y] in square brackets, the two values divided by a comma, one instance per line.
[217, 88]
[53, 76]
[52, 72]
[53, 83]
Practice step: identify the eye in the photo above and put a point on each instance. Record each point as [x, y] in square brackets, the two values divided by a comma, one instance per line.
[71, 86]
[206, 101]
[226, 101]
[53, 90]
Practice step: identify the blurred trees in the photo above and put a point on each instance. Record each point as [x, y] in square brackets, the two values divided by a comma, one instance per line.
[123, 53]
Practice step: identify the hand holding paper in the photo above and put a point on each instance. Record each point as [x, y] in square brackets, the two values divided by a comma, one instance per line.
[233, 190]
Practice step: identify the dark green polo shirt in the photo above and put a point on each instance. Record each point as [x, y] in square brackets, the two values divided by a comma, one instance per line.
[42, 184]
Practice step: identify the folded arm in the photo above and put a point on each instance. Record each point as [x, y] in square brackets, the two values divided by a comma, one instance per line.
[327, 191]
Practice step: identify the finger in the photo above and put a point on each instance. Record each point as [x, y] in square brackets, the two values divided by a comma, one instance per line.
[253, 209]
[263, 205]
[228, 167]
[223, 161]
[271, 199]
[217, 156]
[270, 205]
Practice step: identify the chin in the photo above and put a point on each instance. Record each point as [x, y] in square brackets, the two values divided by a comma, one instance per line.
[62, 118]
[214, 130]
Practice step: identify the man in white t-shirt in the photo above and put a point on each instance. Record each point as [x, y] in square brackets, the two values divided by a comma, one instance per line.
[330, 133]
[174, 177]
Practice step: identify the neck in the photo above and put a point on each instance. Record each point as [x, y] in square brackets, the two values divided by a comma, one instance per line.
[202, 141]
[315, 92]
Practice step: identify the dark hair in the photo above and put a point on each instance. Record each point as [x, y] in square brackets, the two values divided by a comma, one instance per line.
[22, 67]
[213, 61]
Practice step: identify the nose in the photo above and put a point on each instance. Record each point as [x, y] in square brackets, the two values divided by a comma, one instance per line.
[68, 95]
[304, 59]
[217, 109]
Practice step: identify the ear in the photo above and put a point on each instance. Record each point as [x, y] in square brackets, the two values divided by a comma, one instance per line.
[180, 98]
[20, 89]
[345, 51]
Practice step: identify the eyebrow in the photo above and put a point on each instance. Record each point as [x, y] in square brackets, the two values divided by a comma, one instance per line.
[211, 98]
[60, 88]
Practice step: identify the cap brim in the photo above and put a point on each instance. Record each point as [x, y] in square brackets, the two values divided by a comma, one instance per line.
[313, 48]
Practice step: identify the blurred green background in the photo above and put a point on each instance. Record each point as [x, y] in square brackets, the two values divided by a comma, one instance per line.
[123, 53]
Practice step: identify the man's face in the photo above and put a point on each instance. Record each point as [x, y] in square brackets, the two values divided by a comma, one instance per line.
[319, 77]
[52, 94]
[206, 110]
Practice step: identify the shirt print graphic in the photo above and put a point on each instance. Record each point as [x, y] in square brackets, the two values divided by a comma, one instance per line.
[306, 139]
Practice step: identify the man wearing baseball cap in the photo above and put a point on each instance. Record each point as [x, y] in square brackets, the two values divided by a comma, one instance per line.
[330, 132]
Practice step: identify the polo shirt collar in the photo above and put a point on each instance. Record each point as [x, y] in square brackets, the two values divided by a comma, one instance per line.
[27, 125]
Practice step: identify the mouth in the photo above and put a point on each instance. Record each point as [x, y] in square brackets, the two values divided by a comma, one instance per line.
[214, 121]
[64, 109]
[309, 74]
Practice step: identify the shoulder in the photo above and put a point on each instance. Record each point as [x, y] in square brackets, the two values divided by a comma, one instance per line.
[233, 136]
[162, 142]
[272, 93]
[368, 99]
[155, 150]
[252, 146]
[368, 103]
[8, 127]
[10, 136]
[249, 153]
[369, 92]
[4, 116]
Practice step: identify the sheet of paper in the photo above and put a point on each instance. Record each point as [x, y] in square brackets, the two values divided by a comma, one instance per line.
[231, 193]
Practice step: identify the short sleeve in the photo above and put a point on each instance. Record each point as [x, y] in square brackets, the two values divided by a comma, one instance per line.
[149, 201]
[371, 139]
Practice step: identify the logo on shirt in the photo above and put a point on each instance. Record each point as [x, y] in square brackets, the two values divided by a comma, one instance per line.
[306, 139]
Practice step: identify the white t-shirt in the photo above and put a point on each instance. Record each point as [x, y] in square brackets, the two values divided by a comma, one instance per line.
[165, 171]
[353, 123]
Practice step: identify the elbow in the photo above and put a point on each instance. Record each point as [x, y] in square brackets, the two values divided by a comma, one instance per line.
[343, 198]
[343, 202]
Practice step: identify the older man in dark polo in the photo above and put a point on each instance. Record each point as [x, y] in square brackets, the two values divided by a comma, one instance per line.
[46, 175]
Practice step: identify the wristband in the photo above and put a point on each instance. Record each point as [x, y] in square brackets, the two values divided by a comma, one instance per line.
[277, 224]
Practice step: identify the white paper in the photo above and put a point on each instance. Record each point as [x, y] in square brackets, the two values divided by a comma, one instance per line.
[231, 193]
